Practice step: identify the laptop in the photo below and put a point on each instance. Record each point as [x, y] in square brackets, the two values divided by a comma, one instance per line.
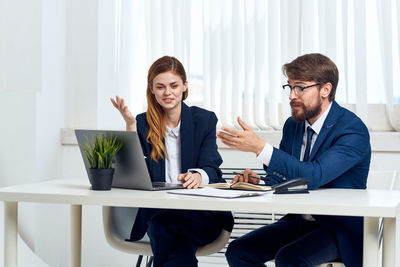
[129, 163]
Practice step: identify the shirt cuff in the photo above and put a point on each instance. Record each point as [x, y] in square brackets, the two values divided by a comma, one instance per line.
[266, 154]
[204, 175]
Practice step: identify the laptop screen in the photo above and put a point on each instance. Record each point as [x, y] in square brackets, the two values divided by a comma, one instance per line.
[130, 166]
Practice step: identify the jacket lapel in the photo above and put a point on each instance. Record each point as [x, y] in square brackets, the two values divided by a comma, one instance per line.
[186, 132]
[298, 140]
[330, 121]
[158, 170]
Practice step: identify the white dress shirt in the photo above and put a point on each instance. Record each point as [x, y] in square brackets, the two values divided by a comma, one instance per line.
[173, 159]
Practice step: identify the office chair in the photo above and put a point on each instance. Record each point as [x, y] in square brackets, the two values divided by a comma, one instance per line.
[117, 224]
[380, 180]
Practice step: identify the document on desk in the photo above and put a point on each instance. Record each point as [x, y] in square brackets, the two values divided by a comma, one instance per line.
[220, 193]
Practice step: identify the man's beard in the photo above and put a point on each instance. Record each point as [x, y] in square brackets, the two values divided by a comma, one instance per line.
[308, 113]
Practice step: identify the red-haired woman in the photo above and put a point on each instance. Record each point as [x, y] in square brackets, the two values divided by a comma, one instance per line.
[179, 143]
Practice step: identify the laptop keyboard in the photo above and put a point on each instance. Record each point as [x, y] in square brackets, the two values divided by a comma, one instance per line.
[158, 184]
[165, 185]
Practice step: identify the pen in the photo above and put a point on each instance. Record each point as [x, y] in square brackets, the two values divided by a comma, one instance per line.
[251, 176]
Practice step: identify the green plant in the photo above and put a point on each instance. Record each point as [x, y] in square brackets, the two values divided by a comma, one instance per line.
[101, 154]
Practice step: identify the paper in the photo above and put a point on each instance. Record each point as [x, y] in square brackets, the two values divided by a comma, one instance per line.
[213, 192]
[238, 186]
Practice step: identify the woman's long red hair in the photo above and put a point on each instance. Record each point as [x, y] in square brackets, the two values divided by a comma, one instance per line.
[155, 113]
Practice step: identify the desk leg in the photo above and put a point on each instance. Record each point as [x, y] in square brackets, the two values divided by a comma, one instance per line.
[371, 242]
[389, 242]
[76, 235]
[10, 233]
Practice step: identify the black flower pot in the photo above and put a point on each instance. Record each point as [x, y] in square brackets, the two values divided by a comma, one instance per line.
[101, 179]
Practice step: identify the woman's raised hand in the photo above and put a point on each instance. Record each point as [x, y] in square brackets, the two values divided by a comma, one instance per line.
[130, 120]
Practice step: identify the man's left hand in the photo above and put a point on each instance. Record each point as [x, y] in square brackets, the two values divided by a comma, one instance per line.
[245, 140]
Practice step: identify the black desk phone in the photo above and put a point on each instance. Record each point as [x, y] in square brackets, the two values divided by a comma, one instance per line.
[293, 186]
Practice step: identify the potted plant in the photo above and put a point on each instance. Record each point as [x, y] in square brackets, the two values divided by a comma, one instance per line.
[100, 154]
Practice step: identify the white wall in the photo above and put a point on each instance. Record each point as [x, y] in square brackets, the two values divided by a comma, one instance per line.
[59, 89]
[33, 110]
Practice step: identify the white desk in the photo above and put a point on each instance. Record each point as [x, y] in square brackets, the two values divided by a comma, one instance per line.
[371, 204]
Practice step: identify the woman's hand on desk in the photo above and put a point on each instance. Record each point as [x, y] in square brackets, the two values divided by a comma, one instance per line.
[247, 176]
[190, 180]
[119, 103]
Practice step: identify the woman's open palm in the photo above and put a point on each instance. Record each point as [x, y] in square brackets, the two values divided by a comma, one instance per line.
[119, 104]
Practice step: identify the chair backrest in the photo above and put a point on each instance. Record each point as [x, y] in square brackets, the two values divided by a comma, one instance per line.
[382, 180]
[117, 224]
[122, 219]
[396, 185]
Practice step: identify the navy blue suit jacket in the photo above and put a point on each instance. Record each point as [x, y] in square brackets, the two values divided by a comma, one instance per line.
[198, 144]
[340, 158]
[198, 150]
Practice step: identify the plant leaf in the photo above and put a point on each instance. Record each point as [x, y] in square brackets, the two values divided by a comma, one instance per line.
[101, 152]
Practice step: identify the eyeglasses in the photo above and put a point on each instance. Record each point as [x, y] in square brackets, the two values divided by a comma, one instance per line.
[298, 90]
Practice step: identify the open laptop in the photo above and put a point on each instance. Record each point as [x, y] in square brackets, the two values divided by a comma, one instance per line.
[129, 163]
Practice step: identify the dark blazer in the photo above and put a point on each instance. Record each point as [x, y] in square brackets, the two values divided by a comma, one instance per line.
[340, 158]
[198, 150]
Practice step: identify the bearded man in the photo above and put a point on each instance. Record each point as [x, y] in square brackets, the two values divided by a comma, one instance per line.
[322, 142]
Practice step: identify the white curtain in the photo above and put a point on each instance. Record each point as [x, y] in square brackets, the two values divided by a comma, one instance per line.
[388, 23]
[244, 44]
[149, 30]
[267, 34]
[132, 35]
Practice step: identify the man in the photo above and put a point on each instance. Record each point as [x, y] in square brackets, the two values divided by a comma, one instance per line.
[322, 142]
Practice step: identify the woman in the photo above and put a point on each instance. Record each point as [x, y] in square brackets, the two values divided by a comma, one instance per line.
[179, 143]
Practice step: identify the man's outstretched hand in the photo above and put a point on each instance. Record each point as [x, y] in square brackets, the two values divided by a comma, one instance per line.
[245, 140]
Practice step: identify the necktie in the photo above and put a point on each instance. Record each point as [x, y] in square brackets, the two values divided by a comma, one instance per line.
[310, 133]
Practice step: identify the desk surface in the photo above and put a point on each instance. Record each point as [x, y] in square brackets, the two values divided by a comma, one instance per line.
[372, 203]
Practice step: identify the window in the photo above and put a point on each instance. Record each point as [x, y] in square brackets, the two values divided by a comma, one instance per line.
[233, 52]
